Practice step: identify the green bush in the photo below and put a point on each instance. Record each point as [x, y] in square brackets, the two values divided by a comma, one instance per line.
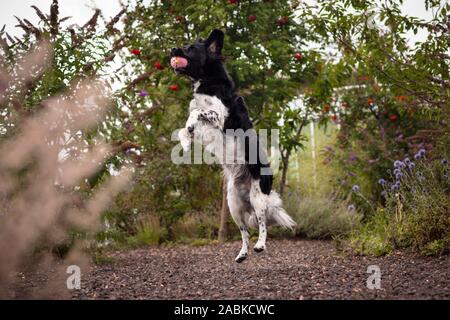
[372, 238]
[420, 211]
[416, 214]
[149, 232]
[321, 217]
[200, 226]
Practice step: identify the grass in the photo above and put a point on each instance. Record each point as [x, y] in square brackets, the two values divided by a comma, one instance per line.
[195, 229]
[322, 217]
[199, 225]
[149, 232]
[373, 237]
[102, 259]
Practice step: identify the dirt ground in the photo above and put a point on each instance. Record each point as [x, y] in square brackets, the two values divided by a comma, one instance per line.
[286, 270]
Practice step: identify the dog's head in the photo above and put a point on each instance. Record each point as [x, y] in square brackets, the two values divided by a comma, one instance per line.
[195, 59]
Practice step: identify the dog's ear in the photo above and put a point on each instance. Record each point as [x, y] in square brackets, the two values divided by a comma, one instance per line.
[214, 43]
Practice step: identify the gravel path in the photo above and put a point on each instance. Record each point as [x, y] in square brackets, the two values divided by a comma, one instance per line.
[287, 270]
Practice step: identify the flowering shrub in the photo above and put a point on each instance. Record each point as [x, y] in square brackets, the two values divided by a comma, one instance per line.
[390, 99]
[417, 209]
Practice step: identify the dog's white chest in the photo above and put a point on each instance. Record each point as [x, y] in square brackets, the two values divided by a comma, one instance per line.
[205, 103]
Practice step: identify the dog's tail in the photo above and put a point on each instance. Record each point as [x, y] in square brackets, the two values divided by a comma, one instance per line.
[276, 215]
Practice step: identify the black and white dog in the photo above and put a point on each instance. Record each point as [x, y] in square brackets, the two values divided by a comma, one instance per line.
[214, 111]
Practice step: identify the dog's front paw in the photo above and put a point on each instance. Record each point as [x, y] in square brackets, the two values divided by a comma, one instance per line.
[185, 139]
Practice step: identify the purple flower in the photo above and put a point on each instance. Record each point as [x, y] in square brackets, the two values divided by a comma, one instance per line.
[383, 193]
[412, 165]
[395, 186]
[444, 162]
[351, 208]
[421, 152]
[143, 93]
[406, 161]
[382, 182]
[398, 164]
[352, 157]
[397, 171]
[398, 176]
[355, 188]
[417, 156]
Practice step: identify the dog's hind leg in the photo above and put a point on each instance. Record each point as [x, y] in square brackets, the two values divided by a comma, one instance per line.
[258, 201]
[237, 213]
[243, 254]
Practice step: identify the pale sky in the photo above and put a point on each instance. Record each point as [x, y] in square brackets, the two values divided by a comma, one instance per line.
[81, 11]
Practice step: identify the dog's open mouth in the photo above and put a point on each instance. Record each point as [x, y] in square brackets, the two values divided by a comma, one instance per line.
[178, 63]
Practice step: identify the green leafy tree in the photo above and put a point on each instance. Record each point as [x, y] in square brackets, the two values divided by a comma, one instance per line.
[265, 54]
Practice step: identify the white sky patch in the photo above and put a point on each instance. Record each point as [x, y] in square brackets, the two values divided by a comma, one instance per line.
[80, 11]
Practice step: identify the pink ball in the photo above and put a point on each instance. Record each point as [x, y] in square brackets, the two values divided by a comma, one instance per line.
[178, 62]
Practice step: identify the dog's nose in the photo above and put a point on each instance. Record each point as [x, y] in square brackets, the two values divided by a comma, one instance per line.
[190, 129]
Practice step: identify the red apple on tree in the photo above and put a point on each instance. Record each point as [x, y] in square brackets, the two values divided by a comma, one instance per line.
[282, 21]
[298, 56]
[136, 52]
[232, 1]
[251, 18]
[158, 65]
